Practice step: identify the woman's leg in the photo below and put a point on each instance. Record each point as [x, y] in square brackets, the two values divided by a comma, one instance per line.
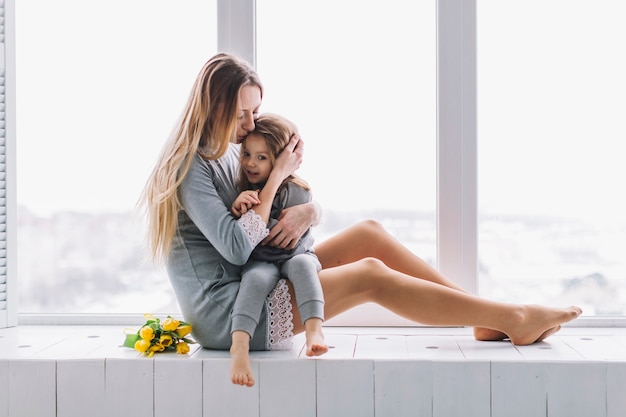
[422, 301]
[370, 239]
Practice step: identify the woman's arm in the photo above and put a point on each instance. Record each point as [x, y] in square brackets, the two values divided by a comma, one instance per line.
[293, 222]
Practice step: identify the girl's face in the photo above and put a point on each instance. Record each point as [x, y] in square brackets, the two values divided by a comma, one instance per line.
[249, 103]
[255, 161]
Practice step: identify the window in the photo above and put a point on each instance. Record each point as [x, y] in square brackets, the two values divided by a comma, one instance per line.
[100, 85]
[359, 80]
[551, 105]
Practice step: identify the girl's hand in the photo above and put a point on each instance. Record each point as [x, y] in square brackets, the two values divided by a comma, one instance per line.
[244, 202]
[290, 158]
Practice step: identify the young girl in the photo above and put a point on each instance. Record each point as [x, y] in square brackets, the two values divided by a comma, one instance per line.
[268, 264]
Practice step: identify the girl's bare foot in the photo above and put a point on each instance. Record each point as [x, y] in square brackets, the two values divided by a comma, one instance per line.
[240, 370]
[534, 323]
[315, 345]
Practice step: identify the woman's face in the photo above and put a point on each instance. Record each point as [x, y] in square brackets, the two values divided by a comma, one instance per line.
[255, 160]
[249, 103]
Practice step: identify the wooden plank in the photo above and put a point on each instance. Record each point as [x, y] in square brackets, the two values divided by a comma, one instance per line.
[129, 387]
[433, 347]
[4, 388]
[461, 388]
[32, 388]
[615, 389]
[345, 387]
[221, 397]
[287, 387]
[403, 388]
[177, 386]
[476, 350]
[596, 347]
[80, 387]
[518, 389]
[341, 346]
[553, 349]
[576, 389]
[381, 347]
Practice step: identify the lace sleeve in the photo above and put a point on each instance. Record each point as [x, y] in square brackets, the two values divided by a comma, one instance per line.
[254, 226]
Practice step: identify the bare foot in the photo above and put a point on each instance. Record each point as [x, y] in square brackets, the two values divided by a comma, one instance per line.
[240, 371]
[315, 345]
[488, 335]
[534, 323]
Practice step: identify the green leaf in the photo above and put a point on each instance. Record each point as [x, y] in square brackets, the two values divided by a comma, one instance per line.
[130, 340]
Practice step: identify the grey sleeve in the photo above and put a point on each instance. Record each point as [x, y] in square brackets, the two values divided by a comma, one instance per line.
[202, 203]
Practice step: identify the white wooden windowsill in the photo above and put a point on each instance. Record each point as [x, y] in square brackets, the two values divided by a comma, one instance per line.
[66, 370]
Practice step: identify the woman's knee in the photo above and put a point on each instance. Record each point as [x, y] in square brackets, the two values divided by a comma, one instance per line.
[372, 272]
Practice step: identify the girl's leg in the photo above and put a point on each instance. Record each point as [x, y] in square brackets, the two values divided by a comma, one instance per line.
[422, 301]
[369, 239]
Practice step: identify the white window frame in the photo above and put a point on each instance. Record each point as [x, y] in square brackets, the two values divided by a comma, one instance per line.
[457, 243]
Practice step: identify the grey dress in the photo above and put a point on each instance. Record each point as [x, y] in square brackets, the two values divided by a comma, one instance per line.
[208, 251]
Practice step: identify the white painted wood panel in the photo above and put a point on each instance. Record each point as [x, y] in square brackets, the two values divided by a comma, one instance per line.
[221, 397]
[177, 386]
[32, 388]
[461, 388]
[287, 387]
[434, 348]
[518, 389]
[80, 388]
[576, 389]
[475, 350]
[616, 389]
[129, 387]
[4, 388]
[403, 388]
[381, 346]
[345, 387]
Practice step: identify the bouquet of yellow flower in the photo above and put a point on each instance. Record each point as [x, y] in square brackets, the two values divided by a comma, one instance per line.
[159, 336]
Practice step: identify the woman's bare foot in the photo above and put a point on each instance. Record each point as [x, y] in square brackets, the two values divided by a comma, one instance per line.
[240, 370]
[534, 323]
[488, 335]
[315, 345]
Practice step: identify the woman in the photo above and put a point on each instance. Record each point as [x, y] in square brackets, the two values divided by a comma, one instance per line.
[187, 199]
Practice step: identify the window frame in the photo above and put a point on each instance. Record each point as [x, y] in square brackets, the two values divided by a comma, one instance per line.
[457, 242]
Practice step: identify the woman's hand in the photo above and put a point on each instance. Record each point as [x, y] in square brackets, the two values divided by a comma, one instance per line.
[290, 158]
[244, 202]
[293, 222]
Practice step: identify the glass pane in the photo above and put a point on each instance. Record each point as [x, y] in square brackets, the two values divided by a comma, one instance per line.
[99, 88]
[358, 78]
[551, 125]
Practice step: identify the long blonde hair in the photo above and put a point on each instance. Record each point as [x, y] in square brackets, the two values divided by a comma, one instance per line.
[208, 124]
[276, 131]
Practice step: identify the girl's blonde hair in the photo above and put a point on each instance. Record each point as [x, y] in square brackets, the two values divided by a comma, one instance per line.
[276, 131]
[208, 124]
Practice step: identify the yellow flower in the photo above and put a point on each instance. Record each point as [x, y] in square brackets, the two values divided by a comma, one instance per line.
[165, 340]
[146, 333]
[142, 345]
[183, 330]
[170, 324]
[182, 348]
[157, 347]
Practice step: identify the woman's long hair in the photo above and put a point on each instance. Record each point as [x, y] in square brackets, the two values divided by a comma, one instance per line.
[276, 131]
[208, 124]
